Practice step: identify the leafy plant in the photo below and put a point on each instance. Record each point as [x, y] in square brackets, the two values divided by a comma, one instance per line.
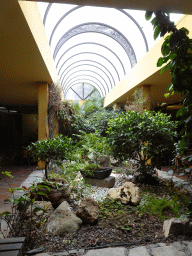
[92, 117]
[92, 147]
[153, 205]
[58, 148]
[141, 137]
[177, 56]
[19, 207]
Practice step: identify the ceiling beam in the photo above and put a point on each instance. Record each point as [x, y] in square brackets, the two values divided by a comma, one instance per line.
[174, 6]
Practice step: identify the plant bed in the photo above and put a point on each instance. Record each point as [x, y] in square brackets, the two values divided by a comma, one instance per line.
[120, 224]
[101, 173]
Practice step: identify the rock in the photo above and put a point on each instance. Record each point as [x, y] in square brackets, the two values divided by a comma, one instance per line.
[57, 194]
[35, 251]
[104, 161]
[108, 182]
[177, 227]
[114, 162]
[63, 221]
[88, 210]
[128, 192]
[44, 204]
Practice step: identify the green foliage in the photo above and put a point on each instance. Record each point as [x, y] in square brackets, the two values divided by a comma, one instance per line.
[176, 50]
[93, 117]
[141, 137]
[99, 119]
[68, 171]
[58, 148]
[151, 204]
[92, 144]
[8, 174]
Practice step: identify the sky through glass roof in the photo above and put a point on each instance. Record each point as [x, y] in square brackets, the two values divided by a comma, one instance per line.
[95, 47]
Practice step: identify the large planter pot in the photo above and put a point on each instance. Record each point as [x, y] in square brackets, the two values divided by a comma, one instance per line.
[99, 174]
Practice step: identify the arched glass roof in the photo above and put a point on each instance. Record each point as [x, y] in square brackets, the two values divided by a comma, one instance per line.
[94, 47]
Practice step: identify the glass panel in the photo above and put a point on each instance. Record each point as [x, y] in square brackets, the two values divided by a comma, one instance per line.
[94, 45]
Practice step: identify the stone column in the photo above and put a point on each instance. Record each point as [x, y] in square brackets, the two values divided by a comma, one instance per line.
[146, 96]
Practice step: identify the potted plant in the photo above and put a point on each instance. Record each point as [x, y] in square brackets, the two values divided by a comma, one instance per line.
[92, 147]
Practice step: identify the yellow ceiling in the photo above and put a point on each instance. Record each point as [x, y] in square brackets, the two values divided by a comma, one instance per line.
[165, 5]
[22, 65]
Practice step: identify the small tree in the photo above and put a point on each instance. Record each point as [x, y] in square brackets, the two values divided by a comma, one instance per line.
[58, 148]
[141, 137]
[93, 144]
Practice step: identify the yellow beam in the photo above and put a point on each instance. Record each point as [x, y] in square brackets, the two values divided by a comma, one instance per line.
[165, 5]
[43, 131]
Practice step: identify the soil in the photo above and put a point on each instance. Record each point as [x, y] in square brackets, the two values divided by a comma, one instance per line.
[145, 229]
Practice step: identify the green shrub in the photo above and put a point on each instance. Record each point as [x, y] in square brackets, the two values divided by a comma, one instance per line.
[141, 137]
[92, 146]
[58, 148]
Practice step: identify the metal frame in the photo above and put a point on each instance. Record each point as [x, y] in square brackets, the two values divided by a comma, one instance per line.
[80, 6]
[85, 79]
[97, 28]
[90, 65]
[84, 98]
[84, 64]
[84, 71]
[100, 28]
[94, 54]
[87, 75]
[93, 44]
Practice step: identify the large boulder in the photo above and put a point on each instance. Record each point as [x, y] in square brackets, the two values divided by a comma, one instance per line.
[58, 192]
[177, 227]
[63, 221]
[126, 193]
[88, 210]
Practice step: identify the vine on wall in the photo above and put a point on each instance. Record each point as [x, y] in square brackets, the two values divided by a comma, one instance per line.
[61, 113]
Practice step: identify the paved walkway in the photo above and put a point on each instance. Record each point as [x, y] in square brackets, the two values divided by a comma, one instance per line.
[182, 248]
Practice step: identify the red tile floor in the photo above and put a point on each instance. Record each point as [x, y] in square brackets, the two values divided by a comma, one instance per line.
[20, 173]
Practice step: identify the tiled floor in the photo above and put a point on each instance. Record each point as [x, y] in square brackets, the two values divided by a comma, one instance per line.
[19, 175]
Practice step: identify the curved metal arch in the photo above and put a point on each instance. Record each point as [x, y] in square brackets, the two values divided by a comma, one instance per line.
[77, 94]
[46, 13]
[101, 28]
[94, 54]
[93, 44]
[87, 75]
[80, 6]
[90, 65]
[139, 27]
[85, 79]
[60, 20]
[84, 71]
[90, 61]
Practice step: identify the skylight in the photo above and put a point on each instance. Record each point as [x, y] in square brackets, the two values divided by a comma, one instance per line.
[95, 47]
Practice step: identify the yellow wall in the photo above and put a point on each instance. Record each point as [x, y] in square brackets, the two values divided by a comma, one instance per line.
[29, 128]
[146, 72]
[34, 20]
